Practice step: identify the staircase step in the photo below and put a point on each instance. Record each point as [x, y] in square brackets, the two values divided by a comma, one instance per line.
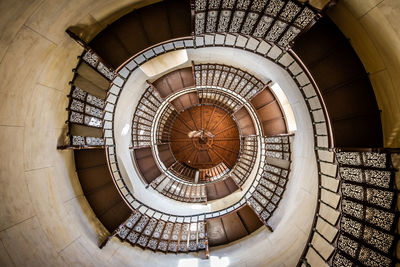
[129, 30]
[83, 130]
[174, 82]
[179, 16]
[146, 164]
[92, 75]
[347, 92]
[110, 48]
[99, 188]
[89, 158]
[155, 22]
[116, 215]
[166, 155]
[244, 122]
[216, 232]
[89, 87]
[234, 227]
[249, 218]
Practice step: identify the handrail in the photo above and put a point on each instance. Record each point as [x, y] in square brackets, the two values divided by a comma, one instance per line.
[138, 59]
[159, 113]
[237, 205]
[319, 94]
[185, 38]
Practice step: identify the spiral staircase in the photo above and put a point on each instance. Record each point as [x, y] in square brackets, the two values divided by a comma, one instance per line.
[209, 133]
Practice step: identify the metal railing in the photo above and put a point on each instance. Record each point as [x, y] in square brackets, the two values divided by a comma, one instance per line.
[117, 85]
[262, 48]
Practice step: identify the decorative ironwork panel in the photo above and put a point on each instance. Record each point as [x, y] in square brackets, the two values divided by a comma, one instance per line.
[159, 229]
[276, 30]
[142, 223]
[214, 4]
[263, 25]
[212, 19]
[378, 239]
[94, 60]
[200, 21]
[347, 245]
[249, 23]
[122, 231]
[371, 159]
[380, 218]
[372, 258]
[341, 261]
[353, 191]
[279, 21]
[274, 6]
[278, 147]
[237, 20]
[225, 17]
[349, 158]
[242, 4]
[143, 117]
[290, 11]
[228, 4]
[305, 17]
[258, 5]
[289, 36]
[200, 5]
[245, 161]
[367, 159]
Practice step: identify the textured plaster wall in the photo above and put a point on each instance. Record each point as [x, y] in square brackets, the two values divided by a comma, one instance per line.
[44, 218]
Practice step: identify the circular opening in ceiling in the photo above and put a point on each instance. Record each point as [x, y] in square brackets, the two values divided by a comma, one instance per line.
[204, 137]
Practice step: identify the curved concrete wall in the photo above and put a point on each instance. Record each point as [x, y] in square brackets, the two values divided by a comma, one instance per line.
[373, 27]
[44, 218]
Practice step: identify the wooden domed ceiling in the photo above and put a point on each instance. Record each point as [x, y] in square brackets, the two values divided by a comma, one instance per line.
[204, 136]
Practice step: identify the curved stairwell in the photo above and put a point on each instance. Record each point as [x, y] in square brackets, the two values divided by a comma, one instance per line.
[99, 188]
[344, 84]
[352, 111]
[232, 226]
[142, 28]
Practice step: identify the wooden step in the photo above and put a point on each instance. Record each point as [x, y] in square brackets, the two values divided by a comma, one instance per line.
[179, 17]
[185, 101]
[174, 82]
[99, 189]
[83, 130]
[269, 113]
[146, 164]
[89, 87]
[142, 28]
[221, 189]
[92, 75]
[344, 84]
[166, 155]
[244, 122]
[232, 226]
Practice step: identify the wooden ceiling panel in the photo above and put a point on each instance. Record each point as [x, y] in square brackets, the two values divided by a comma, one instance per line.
[202, 127]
